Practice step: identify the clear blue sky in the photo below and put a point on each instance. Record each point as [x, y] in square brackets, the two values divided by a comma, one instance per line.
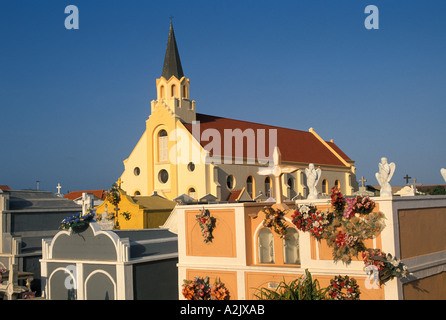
[74, 102]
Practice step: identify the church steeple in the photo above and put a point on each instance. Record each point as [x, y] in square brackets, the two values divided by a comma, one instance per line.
[172, 64]
[173, 87]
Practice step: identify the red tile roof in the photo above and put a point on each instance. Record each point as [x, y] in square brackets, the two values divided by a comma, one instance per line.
[101, 193]
[4, 187]
[233, 196]
[294, 145]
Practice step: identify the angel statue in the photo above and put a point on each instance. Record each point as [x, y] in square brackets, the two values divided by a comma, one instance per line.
[313, 176]
[443, 173]
[384, 175]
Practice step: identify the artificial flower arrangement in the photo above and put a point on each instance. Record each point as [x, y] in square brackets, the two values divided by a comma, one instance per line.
[201, 289]
[274, 218]
[345, 230]
[126, 215]
[113, 195]
[387, 266]
[343, 288]
[2, 271]
[207, 224]
[308, 218]
[77, 220]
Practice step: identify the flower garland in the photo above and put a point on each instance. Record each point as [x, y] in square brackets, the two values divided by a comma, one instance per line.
[201, 289]
[207, 224]
[308, 218]
[275, 219]
[343, 288]
[77, 220]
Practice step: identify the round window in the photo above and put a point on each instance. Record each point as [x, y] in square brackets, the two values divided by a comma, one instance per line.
[230, 182]
[136, 171]
[163, 176]
[191, 166]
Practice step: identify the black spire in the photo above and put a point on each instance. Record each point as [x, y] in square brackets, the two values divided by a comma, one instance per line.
[172, 63]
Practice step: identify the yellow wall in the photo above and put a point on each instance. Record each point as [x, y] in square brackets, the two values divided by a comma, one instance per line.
[125, 205]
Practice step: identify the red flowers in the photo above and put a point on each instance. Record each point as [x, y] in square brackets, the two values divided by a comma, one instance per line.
[343, 288]
[337, 199]
[307, 218]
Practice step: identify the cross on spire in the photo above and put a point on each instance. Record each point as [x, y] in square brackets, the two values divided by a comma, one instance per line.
[58, 188]
[277, 170]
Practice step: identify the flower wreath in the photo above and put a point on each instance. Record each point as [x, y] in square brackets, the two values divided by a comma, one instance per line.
[275, 219]
[201, 289]
[207, 224]
[308, 218]
[353, 223]
[343, 288]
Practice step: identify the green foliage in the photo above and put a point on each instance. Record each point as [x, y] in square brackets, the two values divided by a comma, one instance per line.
[299, 289]
[439, 190]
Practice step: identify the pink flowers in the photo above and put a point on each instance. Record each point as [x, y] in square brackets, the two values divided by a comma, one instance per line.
[358, 205]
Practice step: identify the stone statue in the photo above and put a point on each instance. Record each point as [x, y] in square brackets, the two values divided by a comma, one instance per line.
[443, 173]
[313, 176]
[384, 175]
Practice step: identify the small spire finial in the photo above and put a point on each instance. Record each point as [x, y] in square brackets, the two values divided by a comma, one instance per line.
[171, 19]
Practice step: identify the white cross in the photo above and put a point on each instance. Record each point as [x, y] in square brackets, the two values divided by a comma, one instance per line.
[414, 184]
[58, 188]
[362, 181]
[277, 170]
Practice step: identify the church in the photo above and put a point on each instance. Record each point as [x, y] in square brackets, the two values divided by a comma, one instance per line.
[183, 153]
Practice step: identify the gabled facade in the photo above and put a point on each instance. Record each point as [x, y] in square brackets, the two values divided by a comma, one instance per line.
[185, 152]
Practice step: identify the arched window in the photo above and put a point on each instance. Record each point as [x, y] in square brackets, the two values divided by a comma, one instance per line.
[250, 186]
[290, 183]
[184, 91]
[191, 193]
[137, 193]
[268, 187]
[162, 146]
[337, 184]
[265, 242]
[291, 247]
[162, 94]
[324, 186]
[290, 190]
[173, 90]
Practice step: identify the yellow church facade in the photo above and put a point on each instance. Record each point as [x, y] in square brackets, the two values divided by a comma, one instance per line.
[182, 152]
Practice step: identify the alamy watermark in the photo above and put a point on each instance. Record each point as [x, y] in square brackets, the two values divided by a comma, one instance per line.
[230, 146]
[372, 280]
[72, 20]
[372, 20]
